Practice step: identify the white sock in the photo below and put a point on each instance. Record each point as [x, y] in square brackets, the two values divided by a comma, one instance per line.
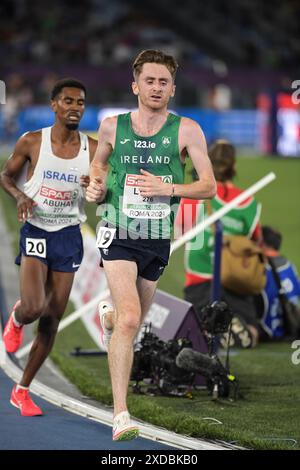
[20, 387]
[16, 323]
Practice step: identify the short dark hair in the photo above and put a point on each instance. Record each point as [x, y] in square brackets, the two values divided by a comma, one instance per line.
[271, 237]
[156, 57]
[66, 82]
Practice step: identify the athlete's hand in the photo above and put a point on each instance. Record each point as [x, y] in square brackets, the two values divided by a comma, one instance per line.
[96, 190]
[25, 207]
[84, 181]
[151, 185]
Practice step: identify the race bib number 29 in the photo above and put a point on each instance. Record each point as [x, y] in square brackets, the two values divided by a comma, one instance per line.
[36, 247]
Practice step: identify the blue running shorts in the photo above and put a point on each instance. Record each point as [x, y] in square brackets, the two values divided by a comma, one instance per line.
[60, 251]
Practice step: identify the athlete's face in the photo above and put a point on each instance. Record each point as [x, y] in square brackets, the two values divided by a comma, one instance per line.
[154, 86]
[69, 107]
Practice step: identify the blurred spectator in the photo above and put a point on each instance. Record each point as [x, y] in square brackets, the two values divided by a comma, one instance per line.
[45, 86]
[249, 33]
[269, 307]
[105, 33]
[18, 96]
[244, 220]
[220, 97]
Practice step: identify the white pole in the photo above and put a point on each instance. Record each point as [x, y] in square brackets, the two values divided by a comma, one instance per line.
[218, 214]
[174, 246]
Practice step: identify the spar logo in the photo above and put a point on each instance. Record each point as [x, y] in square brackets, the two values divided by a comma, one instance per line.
[57, 195]
[133, 180]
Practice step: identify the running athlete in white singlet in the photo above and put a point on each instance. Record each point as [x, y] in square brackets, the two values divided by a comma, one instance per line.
[56, 160]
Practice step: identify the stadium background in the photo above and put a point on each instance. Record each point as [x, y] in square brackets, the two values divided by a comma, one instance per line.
[238, 61]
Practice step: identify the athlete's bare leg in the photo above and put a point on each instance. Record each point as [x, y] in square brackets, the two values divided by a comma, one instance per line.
[33, 278]
[58, 289]
[132, 298]
[146, 290]
[126, 324]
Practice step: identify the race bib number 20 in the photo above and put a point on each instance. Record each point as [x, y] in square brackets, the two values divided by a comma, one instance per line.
[36, 247]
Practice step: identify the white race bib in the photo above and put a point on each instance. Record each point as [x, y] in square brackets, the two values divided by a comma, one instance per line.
[136, 206]
[105, 236]
[36, 247]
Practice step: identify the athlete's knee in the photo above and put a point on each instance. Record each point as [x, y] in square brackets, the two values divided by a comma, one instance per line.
[48, 325]
[31, 310]
[129, 321]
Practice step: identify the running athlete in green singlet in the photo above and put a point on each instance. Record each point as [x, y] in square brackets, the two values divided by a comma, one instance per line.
[159, 154]
[137, 173]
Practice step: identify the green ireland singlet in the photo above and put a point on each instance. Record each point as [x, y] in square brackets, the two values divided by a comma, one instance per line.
[150, 217]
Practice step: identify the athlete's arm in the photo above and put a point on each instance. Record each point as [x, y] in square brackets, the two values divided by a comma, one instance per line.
[96, 190]
[192, 141]
[85, 179]
[186, 215]
[12, 168]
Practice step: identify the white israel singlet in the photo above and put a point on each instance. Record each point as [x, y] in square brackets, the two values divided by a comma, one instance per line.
[55, 186]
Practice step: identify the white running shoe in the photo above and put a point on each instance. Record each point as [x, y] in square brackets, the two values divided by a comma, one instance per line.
[123, 429]
[105, 334]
